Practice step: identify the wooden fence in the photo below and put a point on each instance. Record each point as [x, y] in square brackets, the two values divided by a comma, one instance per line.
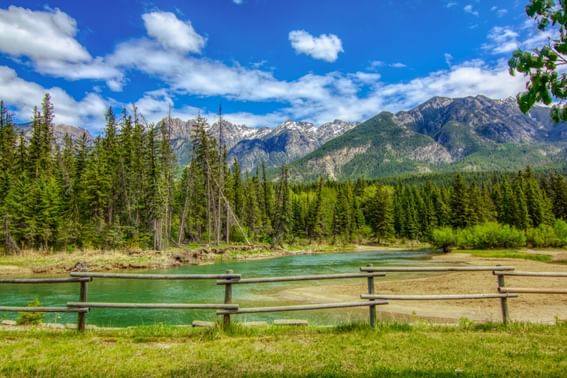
[498, 269]
[81, 311]
[229, 279]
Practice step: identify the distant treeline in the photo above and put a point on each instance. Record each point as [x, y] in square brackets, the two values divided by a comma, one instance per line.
[125, 190]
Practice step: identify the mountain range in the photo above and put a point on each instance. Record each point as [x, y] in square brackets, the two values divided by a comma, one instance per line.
[442, 134]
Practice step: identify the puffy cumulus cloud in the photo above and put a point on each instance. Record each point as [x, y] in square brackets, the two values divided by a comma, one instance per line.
[324, 47]
[172, 33]
[501, 40]
[40, 35]
[23, 95]
[47, 38]
[317, 98]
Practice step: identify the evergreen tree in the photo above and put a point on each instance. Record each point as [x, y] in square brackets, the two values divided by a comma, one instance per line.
[282, 221]
[460, 210]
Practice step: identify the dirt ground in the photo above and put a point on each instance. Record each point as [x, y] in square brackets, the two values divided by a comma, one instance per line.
[542, 308]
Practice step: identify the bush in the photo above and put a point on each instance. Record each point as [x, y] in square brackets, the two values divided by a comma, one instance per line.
[560, 228]
[29, 318]
[491, 235]
[444, 238]
[482, 236]
[543, 236]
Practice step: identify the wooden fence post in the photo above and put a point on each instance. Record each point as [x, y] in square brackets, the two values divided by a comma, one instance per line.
[82, 317]
[503, 301]
[227, 300]
[371, 309]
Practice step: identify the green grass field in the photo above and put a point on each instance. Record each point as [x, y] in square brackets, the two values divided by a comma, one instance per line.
[354, 350]
[508, 254]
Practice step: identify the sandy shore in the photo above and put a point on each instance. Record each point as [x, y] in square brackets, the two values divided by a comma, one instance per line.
[527, 307]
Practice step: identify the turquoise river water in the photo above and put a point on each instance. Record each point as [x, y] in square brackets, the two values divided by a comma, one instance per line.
[249, 295]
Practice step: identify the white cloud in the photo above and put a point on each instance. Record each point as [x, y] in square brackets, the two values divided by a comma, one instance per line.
[324, 47]
[172, 33]
[40, 35]
[237, 2]
[23, 95]
[500, 12]
[47, 38]
[312, 97]
[398, 65]
[501, 40]
[374, 65]
[469, 9]
[450, 4]
[448, 59]
[468, 79]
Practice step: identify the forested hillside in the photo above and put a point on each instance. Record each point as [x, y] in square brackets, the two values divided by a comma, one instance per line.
[123, 191]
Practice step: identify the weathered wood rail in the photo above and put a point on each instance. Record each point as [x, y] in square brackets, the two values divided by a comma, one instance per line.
[81, 311]
[229, 279]
[529, 290]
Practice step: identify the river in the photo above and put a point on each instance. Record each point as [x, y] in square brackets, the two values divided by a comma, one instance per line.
[254, 295]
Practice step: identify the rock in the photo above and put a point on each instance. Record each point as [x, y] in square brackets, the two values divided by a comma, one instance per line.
[254, 324]
[80, 266]
[54, 325]
[294, 322]
[137, 266]
[203, 324]
[8, 322]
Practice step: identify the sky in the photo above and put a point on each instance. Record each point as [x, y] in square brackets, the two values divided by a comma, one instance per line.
[264, 61]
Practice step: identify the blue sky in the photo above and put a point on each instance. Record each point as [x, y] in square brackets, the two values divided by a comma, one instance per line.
[265, 61]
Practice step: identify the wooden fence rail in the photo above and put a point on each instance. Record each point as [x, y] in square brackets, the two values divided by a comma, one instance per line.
[170, 306]
[315, 277]
[130, 276]
[532, 274]
[437, 268]
[436, 297]
[42, 309]
[319, 306]
[42, 280]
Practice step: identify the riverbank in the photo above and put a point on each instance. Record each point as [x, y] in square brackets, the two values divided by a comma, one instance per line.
[34, 262]
[350, 350]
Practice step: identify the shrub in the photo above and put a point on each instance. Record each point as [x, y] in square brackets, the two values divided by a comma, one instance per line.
[560, 228]
[444, 238]
[482, 236]
[28, 318]
[543, 236]
[491, 235]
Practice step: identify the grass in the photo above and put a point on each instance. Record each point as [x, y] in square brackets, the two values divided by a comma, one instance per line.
[350, 350]
[509, 254]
